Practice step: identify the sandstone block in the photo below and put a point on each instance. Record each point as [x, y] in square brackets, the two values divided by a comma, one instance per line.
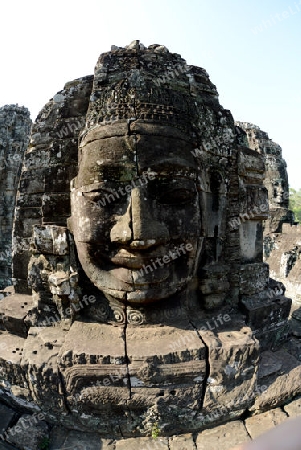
[233, 359]
[13, 310]
[62, 439]
[293, 409]
[284, 387]
[142, 444]
[223, 437]
[261, 423]
[7, 415]
[182, 442]
[28, 433]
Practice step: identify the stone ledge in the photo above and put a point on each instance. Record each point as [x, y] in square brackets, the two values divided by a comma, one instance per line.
[223, 437]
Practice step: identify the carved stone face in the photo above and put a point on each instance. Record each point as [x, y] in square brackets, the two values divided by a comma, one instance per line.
[278, 191]
[136, 215]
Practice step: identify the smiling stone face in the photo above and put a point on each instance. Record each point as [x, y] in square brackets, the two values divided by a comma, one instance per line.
[136, 213]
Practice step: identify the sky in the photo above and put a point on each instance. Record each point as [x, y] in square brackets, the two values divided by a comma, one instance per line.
[250, 48]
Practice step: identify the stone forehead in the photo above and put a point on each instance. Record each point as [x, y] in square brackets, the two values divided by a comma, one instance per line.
[132, 128]
[149, 84]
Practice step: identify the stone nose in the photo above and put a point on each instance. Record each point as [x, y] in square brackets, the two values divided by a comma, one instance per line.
[137, 227]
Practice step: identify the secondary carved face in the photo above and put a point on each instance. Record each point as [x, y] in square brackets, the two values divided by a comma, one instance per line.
[278, 191]
[136, 215]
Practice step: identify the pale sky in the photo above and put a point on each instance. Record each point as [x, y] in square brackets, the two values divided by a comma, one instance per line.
[250, 48]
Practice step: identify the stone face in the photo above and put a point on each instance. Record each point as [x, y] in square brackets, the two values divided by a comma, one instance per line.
[15, 127]
[138, 237]
[276, 179]
[281, 245]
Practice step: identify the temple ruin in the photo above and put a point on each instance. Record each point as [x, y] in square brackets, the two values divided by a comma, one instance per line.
[282, 247]
[141, 299]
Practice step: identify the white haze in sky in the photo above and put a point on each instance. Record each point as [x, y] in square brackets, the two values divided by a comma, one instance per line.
[251, 50]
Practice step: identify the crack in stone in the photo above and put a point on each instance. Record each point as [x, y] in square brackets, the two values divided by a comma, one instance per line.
[125, 351]
[207, 373]
[64, 394]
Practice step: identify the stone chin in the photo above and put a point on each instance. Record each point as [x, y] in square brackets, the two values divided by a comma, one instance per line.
[149, 284]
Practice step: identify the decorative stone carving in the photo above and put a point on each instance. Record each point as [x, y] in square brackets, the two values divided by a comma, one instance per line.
[276, 179]
[136, 269]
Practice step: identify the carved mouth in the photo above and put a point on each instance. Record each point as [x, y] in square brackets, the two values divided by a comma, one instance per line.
[138, 260]
[134, 260]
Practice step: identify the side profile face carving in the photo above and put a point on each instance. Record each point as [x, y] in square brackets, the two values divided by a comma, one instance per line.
[279, 189]
[136, 213]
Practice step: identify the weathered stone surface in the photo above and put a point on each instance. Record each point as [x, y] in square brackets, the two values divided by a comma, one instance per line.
[273, 364]
[28, 433]
[282, 253]
[223, 437]
[284, 387]
[13, 311]
[167, 368]
[11, 352]
[39, 364]
[142, 444]
[261, 423]
[138, 231]
[233, 361]
[4, 446]
[15, 127]
[49, 165]
[182, 442]
[276, 179]
[7, 415]
[267, 315]
[293, 409]
[62, 439]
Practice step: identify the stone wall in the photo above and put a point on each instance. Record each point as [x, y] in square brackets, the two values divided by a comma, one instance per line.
[15, 127]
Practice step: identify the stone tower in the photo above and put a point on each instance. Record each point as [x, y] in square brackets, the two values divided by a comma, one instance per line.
[15, 125]
[276, 179]
[141, 295]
